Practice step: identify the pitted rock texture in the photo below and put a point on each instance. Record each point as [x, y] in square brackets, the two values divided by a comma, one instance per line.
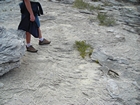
[12, 48]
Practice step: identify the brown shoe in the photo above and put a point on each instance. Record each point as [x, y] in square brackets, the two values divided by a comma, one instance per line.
[44, 42]
[31, 49]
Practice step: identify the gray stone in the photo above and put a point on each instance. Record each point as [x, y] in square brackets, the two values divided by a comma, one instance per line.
[134, 1]
[136, 84]
[123, 61]
[85, 12]
[120, 38]
[98, 55]
[11, 49]
[113, 88]
[8, 1]
[1, 85]
[114, 2]
[131, 17]
[138, 8]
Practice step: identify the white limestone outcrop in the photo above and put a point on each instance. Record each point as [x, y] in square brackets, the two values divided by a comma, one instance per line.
[11, 49]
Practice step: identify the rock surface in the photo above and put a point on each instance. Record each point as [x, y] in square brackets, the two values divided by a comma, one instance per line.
[57, 75]
[12, 48]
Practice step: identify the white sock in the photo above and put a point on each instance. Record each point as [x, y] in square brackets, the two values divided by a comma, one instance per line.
[28, 45]
[41, 39]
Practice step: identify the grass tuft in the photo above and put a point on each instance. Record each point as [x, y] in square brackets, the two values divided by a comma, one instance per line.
[80, 4]
[105, 20]
[83, 48]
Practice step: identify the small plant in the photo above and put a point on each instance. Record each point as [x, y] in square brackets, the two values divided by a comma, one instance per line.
[107, 4]
[96, 61]
[91, 8]
[102, 17]
[105, 20]
[110, 21]
[80, 4]
[83, 48]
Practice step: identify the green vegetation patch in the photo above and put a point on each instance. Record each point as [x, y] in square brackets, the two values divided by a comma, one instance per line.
[80, 4]
[106, 20]
[83, 48]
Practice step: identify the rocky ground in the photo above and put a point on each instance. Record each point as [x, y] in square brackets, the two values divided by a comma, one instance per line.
[58, 75]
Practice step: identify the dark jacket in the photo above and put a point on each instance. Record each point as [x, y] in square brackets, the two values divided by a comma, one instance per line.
[25, 23]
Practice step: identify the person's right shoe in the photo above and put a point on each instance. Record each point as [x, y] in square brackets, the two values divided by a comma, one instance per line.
[31, 49]
[44, 42]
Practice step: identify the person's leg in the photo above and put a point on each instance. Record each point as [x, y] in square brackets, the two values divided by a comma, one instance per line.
[29, 47]
[28, 38]
[40, 35]
[42, 41]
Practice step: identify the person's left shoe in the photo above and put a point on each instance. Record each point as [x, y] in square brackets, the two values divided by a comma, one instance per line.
[44, 42]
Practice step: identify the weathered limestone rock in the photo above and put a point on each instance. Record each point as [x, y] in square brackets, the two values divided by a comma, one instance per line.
[112, 88]
[11, 49]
